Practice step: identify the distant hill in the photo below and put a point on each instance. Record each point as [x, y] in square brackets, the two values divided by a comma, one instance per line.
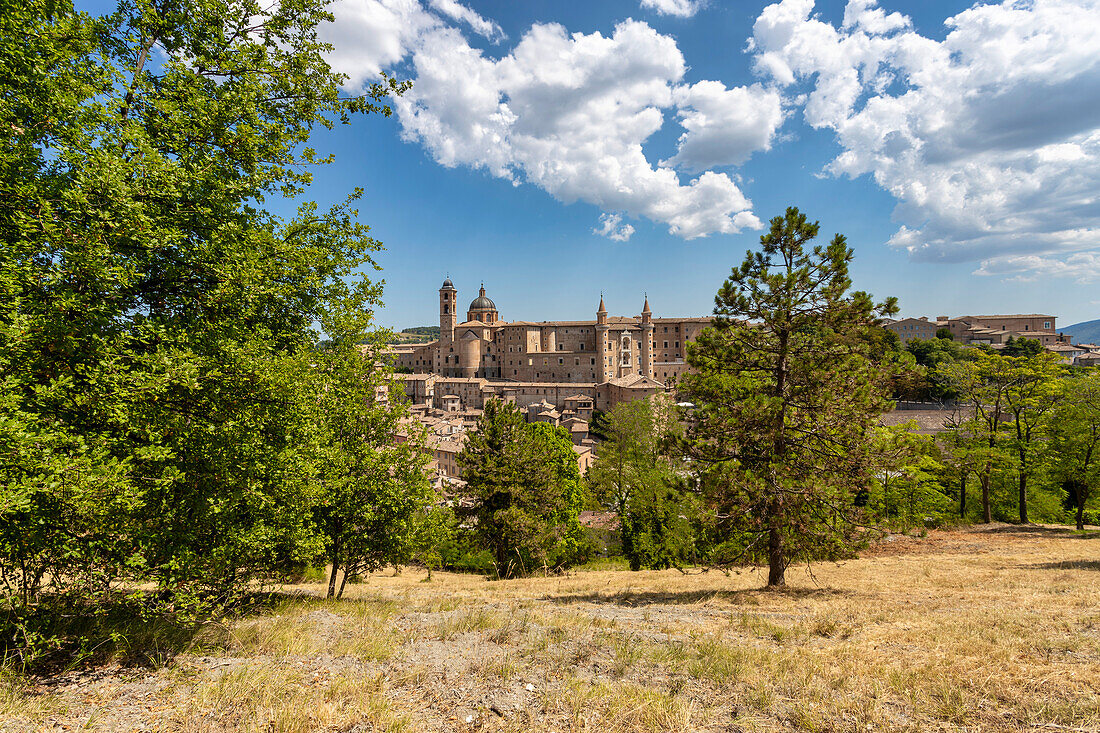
[417, 335]
[1084, 333]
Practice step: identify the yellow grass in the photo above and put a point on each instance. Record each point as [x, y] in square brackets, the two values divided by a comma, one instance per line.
[967, 630]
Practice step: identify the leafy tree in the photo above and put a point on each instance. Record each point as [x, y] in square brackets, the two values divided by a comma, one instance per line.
[1031, 399]
[1010, 400]
[1072, 457]
[1022, 347]
[152, 312]
[943, 332]
[527, 491]
[785, 396]
[985, 384]
[372, 490]
[907, 488]
[638, 476]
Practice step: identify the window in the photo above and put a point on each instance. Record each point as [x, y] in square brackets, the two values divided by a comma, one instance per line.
[1046, 324]
[1027, 327]
[666, 344]
[561, 361]
[593, 361]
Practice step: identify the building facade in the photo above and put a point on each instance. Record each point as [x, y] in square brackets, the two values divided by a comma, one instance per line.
[974, 330]
[576, 352]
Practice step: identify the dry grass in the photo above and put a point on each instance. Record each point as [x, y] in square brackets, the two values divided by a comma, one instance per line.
[968, 630]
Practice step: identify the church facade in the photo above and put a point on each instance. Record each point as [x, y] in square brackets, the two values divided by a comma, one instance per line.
[606, 349]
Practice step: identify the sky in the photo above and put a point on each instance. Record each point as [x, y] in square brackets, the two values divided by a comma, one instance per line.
[557, 150]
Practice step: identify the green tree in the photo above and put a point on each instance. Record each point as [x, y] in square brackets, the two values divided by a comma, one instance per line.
[372, 490]
[1072, 457]
[943, 332]
[1031, 399]
[1022, 347]
[907, 489]
[985, 384]
[637, 475]
[785, 396]
[152, 311]
[527, 491]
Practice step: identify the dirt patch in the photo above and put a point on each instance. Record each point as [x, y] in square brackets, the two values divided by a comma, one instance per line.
[985, 628]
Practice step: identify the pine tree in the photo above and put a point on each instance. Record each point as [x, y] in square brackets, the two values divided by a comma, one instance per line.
[785, 393]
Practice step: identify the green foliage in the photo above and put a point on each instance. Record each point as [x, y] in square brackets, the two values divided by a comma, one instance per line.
[1072, 457]
[372, 492]
[1022, 347]
[638, 476]
[785, 393]
[527, 492]
[159, 420]
[906, 491]
[943, 332]
[1010, 400]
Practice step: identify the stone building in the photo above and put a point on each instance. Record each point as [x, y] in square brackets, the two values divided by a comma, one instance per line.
[577, 352]
[992, 330]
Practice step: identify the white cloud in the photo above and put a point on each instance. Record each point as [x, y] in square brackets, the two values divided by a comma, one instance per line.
[568, 113]
[1081, 267]
[679, 8]
[724, 126]
[368, 36]
[989, 139]
[612, 227]
[463, 14]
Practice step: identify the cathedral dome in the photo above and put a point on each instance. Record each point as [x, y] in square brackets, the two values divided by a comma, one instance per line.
[448, 285]
[481, 303]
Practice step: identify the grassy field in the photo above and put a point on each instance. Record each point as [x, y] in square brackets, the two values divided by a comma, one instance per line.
[985, 629]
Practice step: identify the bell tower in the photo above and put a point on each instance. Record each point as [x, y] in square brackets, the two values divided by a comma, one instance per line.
[448, 305]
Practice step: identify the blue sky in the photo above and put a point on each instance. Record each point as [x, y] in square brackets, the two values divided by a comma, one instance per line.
[554, 150]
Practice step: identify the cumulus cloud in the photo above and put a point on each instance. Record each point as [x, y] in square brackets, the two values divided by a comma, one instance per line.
[612, 227]
[679, 8]
[570, 113]
[463, 14]
[989, 140]
[724, 126]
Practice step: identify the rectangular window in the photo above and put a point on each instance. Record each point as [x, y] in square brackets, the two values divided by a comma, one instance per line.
[561, 361]
[666, 344]
[1046, 324]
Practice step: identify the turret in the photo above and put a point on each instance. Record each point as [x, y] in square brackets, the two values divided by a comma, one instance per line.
[646, 357]
[601, 341]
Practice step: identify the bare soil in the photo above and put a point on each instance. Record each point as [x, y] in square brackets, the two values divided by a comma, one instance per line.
[982, 629]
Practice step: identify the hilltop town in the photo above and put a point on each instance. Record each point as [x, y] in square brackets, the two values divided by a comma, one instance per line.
[562, 372]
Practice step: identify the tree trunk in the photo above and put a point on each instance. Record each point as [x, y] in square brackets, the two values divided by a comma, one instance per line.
[987, 514]
[1023, 497]
[335, 560]
[777, 560]
[343, 582]
[1080, 510]
[962, 494]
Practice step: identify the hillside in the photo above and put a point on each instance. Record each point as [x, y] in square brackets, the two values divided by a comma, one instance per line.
[991, 628]
[417, 335]
[1084, 333]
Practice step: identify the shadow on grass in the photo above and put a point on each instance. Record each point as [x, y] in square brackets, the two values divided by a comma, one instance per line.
[129, 631]
[686, 598]
[1065, 565]
[1038, 531]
